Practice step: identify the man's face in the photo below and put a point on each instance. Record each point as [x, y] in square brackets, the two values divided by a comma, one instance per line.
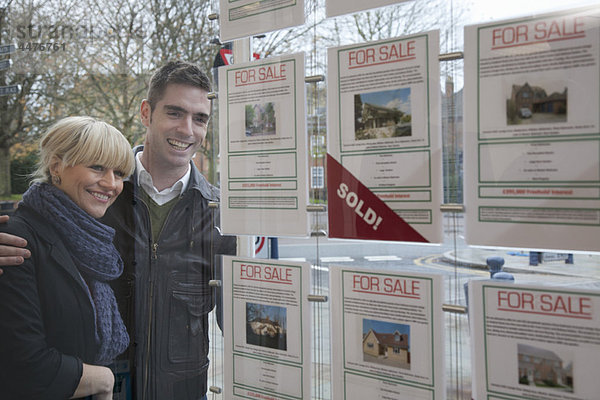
[176, 127]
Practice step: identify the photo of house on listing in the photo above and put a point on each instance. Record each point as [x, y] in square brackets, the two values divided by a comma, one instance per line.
[384, 114]
[533, 105]
[261, 119]
[544, 368]
[386, 343]
[266, 326]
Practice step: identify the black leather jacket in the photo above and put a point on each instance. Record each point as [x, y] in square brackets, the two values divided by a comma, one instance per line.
[163, 293]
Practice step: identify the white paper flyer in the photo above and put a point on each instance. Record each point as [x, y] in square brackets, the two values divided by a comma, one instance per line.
[384, 124]
[340, 7]
[266, 318]
[242, 18]
[387, 335]
[534, 342]
[264, 175]
[532, 132]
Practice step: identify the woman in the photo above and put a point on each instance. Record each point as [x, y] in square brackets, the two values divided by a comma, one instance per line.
[59, 321]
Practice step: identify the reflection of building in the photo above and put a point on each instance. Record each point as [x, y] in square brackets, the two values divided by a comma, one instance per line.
[452, 129]
[393, 346]
[540, 366]
[535, 99]
[316, 128]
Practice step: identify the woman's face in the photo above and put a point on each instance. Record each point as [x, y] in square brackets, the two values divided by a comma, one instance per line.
[92, 187]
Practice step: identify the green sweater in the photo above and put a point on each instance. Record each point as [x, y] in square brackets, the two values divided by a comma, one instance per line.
[158, 214]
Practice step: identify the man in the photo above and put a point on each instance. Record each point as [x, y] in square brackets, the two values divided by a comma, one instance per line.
[166, 235]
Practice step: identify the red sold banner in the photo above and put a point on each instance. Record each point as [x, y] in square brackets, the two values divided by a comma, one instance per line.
[356, 213]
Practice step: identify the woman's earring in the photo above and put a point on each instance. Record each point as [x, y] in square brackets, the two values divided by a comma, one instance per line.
[56, 180]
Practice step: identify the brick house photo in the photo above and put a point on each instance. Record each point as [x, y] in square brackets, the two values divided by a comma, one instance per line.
[533, 104]
[386, 343]
[543, 368]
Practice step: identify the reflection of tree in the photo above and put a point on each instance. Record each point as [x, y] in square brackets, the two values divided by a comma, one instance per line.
[101, 70]
[249, 116]
[358, 117]
[40, 74]
[511, 112]
[269, 115]
[260, 119]
[252, 311]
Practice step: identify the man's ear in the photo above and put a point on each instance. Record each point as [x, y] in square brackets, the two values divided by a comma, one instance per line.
[56, 166]
[145, 113]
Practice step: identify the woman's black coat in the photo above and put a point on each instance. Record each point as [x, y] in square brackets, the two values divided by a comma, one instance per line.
[47, 326]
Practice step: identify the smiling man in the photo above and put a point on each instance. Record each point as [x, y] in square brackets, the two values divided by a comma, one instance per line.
[167, 238]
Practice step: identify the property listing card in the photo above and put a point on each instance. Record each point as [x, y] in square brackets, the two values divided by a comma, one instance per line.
[534, 342]
[532, 132]
[387, 335]
[263, 147]
[241, 18]
[266, 329]
[384, 140]
[340, 7]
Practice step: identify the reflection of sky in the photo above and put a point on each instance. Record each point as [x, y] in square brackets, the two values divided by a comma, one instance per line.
[398, 98]
[384, 327]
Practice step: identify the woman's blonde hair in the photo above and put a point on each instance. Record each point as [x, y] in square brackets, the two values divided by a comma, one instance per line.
[83, 140]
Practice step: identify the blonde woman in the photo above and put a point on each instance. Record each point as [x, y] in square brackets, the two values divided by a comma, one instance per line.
[59, 321]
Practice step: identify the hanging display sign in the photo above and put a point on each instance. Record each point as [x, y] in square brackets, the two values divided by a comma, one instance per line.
[266, 329]
[7, 49]
[227, 56]
[241, 18]
[534, 342]
[384, 132]
[387, 335]
[357, 213]
[340, 7]
[12, 89]
[532, 132]
[5, 64]
[264, 174]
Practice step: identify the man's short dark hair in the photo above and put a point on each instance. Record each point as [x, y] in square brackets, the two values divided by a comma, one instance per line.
[180, 72]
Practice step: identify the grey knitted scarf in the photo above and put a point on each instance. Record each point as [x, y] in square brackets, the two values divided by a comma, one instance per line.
[90, 244]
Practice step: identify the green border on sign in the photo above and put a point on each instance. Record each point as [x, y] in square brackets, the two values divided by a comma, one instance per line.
[405, 191]
[537, 208]
[480, 145]
[528, 20]
[485, 346]
[427, 99]
[494, 397]
[533, 186]
[263, 197]
[428, 151]
[433, 325]
[301, 296]
[280, 395]
[262, 178]
[257, 13]
[416, 209]
[389, 381]
[295, 147]
[263, 189]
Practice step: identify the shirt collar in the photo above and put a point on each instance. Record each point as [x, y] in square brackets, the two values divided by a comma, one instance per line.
[145, 180]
